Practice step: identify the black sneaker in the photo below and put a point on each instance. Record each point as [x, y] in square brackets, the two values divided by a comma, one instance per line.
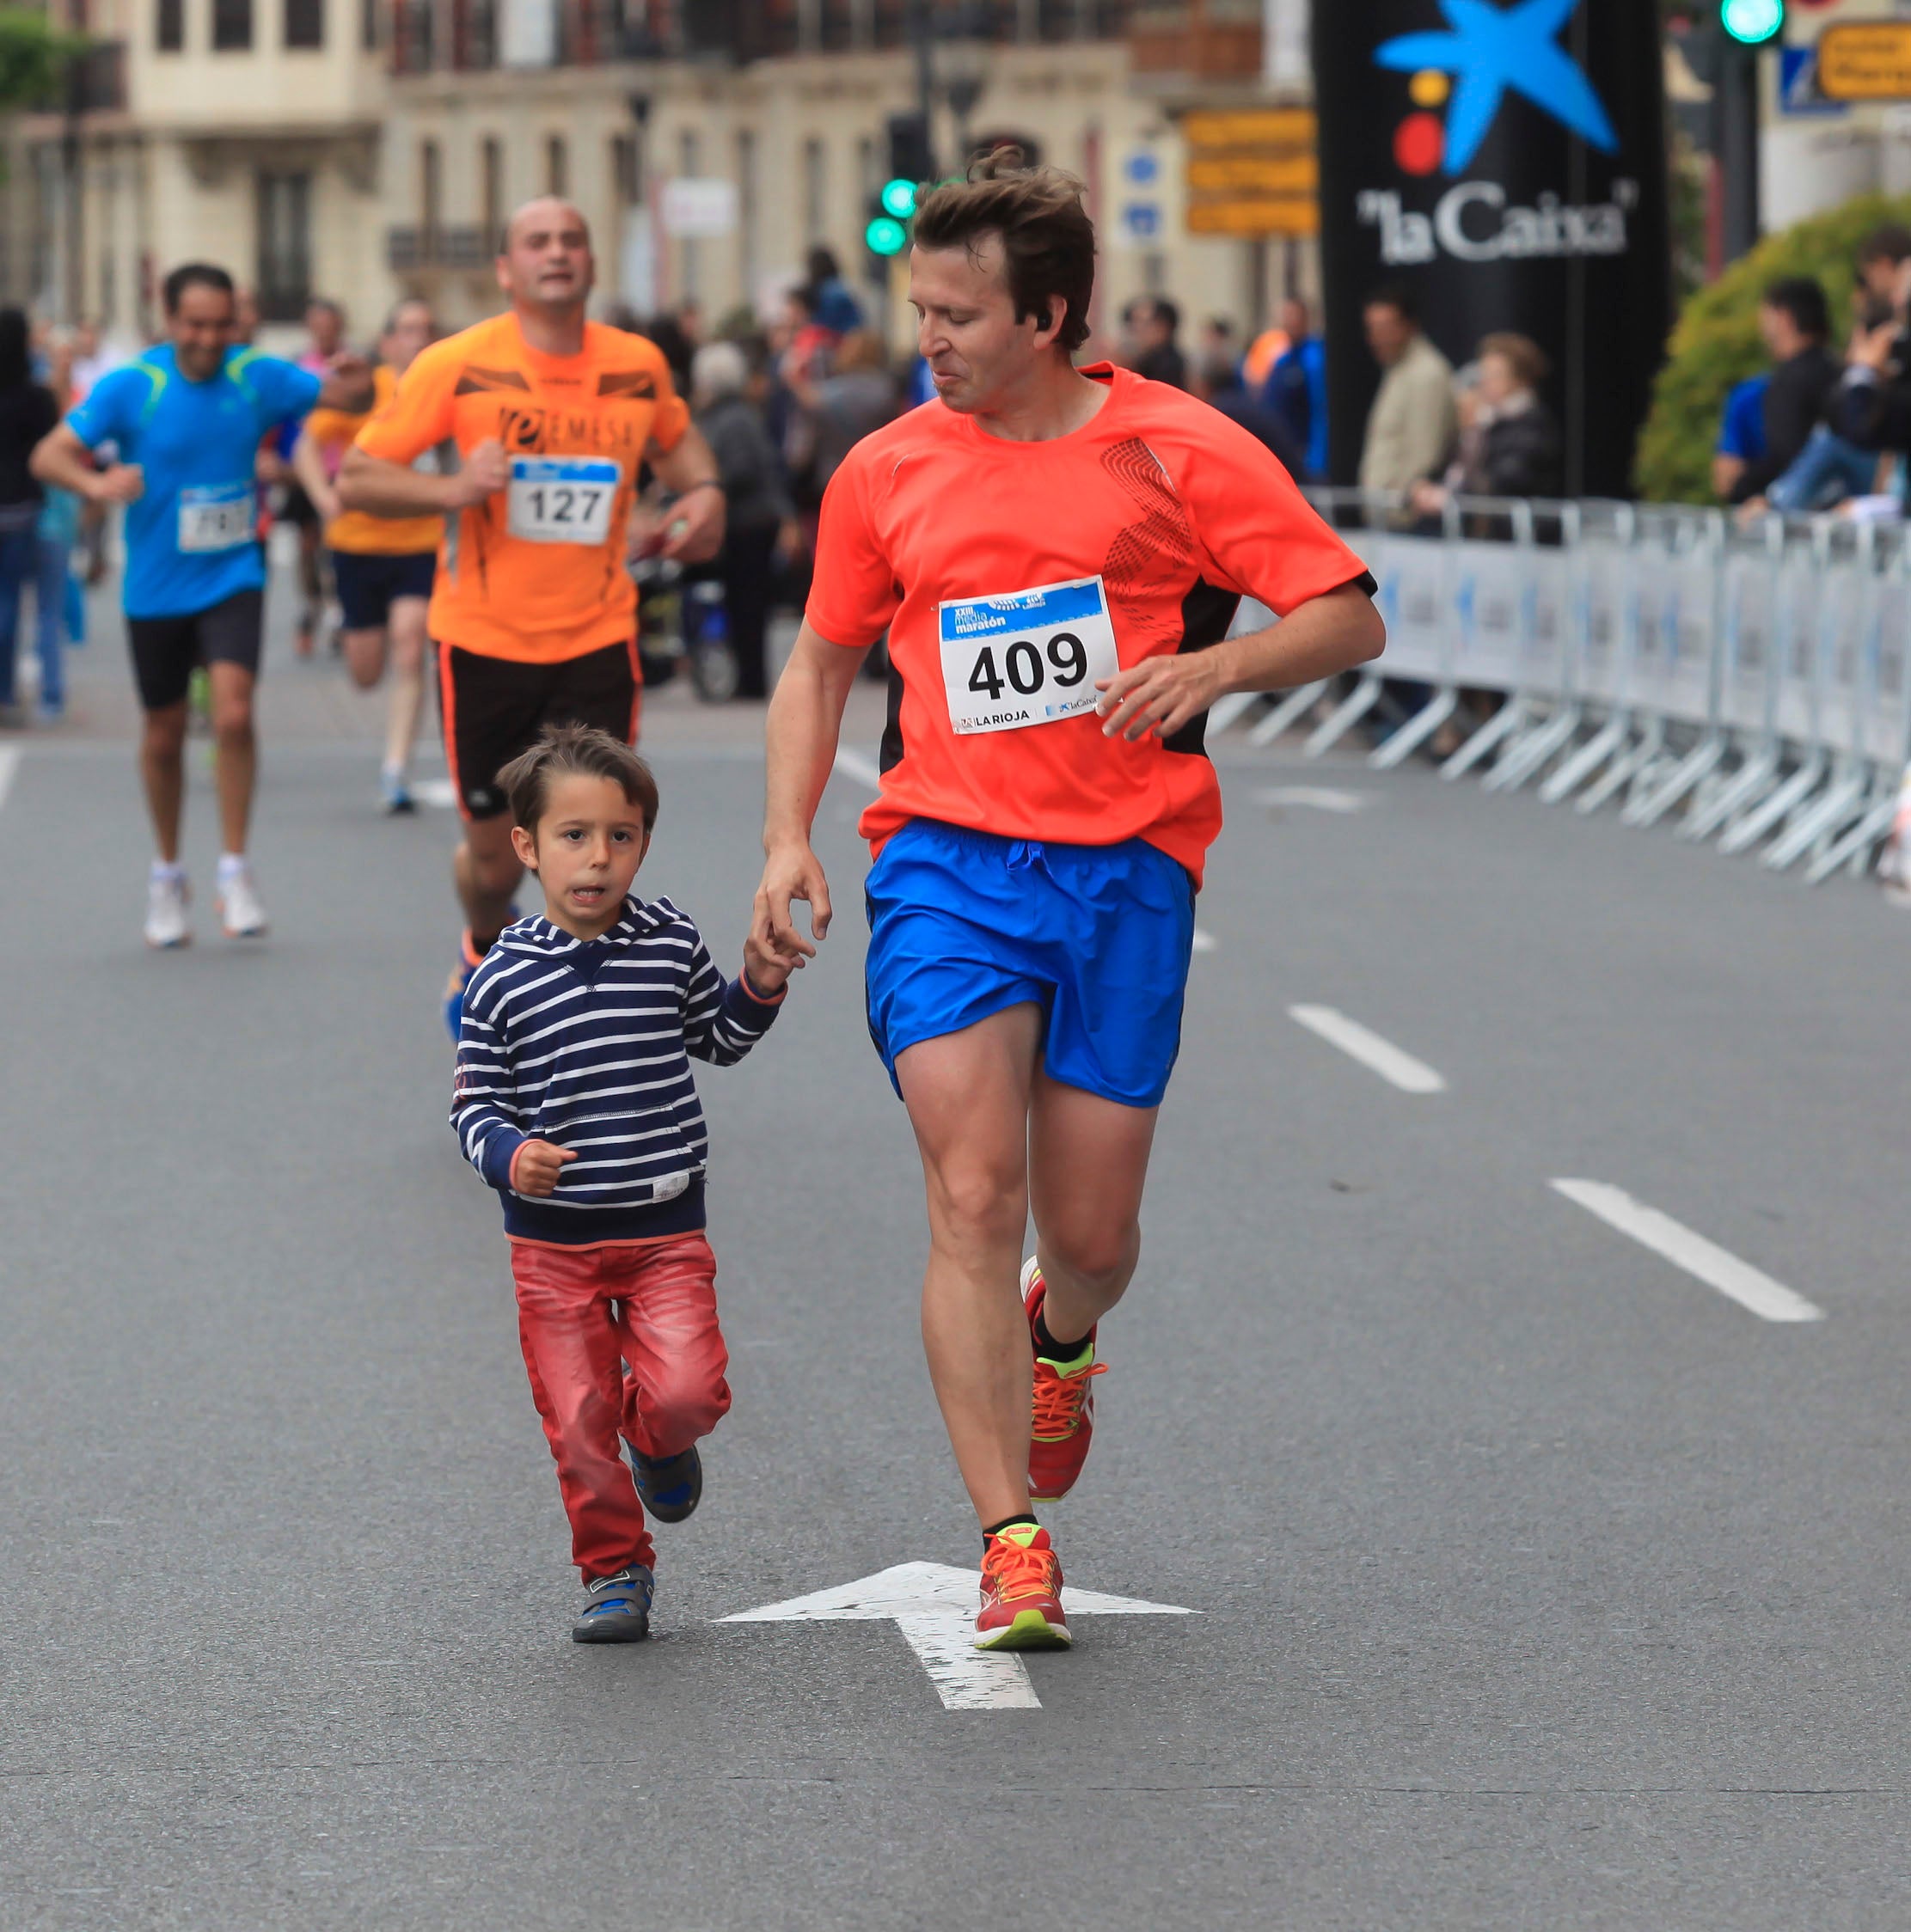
[671, 1487]
[616, 1609]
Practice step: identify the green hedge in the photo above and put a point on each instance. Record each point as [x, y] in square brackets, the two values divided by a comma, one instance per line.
[1716, 341]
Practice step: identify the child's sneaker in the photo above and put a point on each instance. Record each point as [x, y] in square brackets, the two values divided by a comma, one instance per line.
[616, 1609]
[167, 894]
[671, 1487]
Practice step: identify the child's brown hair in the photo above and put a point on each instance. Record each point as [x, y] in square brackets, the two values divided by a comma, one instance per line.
[575, 751]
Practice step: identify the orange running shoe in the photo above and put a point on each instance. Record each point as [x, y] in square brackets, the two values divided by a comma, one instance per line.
[1021, 1592]
[1063, 1423]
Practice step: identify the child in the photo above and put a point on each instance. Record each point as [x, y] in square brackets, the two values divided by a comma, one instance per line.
[575, 1100]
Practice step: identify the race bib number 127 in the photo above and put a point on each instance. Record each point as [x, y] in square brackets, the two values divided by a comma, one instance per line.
[1028, 658]
[562, 499]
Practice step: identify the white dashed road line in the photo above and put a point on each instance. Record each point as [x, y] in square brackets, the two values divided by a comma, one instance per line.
[10, 764]
[1315, 798]
[1750, 1287]
[853, 764]
[1397, 1067]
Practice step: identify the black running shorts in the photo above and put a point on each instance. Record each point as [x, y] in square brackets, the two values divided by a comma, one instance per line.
[165, 649]
[491, 708]
[369, 585]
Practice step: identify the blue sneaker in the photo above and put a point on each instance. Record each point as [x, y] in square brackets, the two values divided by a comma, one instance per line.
[394, 793]
[671, 1487]
[616, 1609]
[469, 960]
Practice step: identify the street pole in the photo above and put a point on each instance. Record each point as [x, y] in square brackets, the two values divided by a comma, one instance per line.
[1735, 148]
[922, 36]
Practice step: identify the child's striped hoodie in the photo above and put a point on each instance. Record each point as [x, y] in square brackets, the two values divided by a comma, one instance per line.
[587, 1044]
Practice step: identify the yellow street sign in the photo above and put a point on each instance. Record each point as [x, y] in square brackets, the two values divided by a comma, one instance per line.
[1237, 175]
[1865, 60]
[1295, 215]
[1249, 127]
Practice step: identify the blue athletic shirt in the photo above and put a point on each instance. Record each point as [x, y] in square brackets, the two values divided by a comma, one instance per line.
[191, 537]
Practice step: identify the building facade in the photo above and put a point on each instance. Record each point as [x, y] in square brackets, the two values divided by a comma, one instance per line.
[367, 148]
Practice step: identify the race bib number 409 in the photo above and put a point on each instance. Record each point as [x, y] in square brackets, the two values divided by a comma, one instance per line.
[560, 499]
[1029, 658]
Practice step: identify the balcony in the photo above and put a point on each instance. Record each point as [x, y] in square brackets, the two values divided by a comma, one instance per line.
[462, 246]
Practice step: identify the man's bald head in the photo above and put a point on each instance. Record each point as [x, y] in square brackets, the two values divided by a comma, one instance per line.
[545, 264]
[545, 210]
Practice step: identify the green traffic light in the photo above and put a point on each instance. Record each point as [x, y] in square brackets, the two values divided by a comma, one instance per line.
[885, 237]
[898, 199]
[1751, 22]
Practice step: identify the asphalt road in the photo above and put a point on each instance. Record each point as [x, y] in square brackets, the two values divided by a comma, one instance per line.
[1540, 1585]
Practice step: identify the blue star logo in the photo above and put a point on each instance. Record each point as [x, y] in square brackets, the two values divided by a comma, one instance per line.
[1492, 49]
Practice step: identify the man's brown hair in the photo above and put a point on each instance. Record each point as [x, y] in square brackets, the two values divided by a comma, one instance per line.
[574, 751]
[1048, 241]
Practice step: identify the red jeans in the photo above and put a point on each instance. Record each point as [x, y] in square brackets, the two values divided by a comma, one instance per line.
[583, 1314]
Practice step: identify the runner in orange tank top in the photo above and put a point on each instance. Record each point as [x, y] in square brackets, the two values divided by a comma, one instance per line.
[543, 420]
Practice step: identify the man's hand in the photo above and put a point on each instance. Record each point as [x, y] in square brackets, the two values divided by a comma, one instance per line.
[119, 483]
[1157, 697]
[768, 972]
[486, 470]
[790, 872]
[693, 534]
[535, 1167]
[348, 384]
[1871, 348]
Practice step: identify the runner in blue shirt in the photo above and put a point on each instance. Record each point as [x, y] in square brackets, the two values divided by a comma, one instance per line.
[187, 419]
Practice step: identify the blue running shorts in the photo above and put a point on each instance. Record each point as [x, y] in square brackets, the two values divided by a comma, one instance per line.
[963, 924]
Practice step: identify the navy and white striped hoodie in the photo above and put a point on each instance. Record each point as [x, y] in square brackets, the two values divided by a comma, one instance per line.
[586, 1044]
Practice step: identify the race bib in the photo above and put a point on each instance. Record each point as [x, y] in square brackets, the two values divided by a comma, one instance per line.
[562, 499]
[220, 516]
[1030, 659]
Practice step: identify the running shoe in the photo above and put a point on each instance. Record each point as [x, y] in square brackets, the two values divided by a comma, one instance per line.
[616, 1609]
[396, 793]
[166, 900]
[241, 912]
[469, 960]
[1062, 1420]
[670, 1487]
[1021, 1592]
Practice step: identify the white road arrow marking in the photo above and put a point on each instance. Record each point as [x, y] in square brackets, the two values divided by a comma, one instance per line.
[10, 764]
[437, 792]
[934, 1608]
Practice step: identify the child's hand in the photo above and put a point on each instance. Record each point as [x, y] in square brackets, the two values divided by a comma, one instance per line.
[767, 971]
[535, 1167]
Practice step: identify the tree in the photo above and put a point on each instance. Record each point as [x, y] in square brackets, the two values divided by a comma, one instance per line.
[34, 56]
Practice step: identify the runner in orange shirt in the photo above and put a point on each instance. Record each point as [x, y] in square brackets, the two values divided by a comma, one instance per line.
[550, 417]
[383, 565]
[1056, 555]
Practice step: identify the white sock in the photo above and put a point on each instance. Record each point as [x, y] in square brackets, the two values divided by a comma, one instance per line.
[232, 862]
[167, 872]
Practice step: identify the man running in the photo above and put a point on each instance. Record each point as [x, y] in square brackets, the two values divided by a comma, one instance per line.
[188, 418]
[1056, 555]
[534, 610]
[325, 337]
[383, 565]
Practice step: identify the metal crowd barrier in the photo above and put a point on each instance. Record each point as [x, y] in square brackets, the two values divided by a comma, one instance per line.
[1751, 684]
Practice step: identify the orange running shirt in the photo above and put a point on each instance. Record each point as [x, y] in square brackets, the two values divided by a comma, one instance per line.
[536, 572]
[1001, 570]
[357, 531]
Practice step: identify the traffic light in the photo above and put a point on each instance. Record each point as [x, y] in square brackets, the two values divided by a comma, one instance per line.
[910, 164]
[1752, 23]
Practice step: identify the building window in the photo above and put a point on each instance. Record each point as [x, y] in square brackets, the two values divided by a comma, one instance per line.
[746, 212]
[816, 193]
[285, 246]
[557, 166]
[491, 190]
[232, 25]
[369, 11]
[169, 26]
[626, 172]
[304, 24]
[431, 193]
